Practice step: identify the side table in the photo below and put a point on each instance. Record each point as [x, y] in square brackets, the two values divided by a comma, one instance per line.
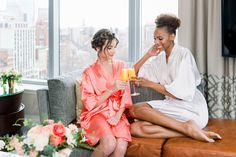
[11, 109]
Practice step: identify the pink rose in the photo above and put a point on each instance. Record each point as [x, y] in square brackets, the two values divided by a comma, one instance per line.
[50, 121]
[56, 140]
[17, 145]
[59, 129]
[33, 153]
[14, 72]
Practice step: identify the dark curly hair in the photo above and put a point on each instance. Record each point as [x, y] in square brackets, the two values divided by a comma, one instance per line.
[171, 22]
[100, 38]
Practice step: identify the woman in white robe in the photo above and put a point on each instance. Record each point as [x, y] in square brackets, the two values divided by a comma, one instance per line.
[170, 69]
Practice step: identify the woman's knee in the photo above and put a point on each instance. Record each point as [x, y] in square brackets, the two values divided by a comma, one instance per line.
[133, 110]
[140, 128]
[133, 128]
[136, 129]
[121, 148]
[108, 144]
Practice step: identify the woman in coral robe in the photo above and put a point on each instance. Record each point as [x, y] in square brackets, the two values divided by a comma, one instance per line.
[105, 98]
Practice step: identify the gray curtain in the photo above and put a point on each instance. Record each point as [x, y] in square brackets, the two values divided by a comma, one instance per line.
[200, 31]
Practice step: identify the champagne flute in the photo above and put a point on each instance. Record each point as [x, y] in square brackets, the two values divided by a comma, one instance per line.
[124, 74]
[132, 77]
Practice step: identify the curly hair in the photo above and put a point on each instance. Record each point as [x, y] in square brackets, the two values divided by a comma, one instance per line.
[171, 22]
[102, 37]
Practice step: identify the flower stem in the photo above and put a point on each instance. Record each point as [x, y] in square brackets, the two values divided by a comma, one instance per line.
[86, 146]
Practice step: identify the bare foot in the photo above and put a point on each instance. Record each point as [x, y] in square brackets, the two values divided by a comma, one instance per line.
[212, 135]
[195, 132]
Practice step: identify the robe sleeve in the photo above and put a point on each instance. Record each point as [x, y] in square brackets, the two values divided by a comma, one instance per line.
[88, 96]
[184, 85]
[126, 100]
[147, 71]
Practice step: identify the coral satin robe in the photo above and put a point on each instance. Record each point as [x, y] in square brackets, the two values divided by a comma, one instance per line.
[95, 82]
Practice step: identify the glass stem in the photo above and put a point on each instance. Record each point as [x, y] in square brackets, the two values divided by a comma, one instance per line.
[134, 90]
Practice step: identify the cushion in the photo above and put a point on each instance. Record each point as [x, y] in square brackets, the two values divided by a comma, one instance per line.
[79, 104]
[62, 97]
[146, 94]
[193, 148]
[140, 147]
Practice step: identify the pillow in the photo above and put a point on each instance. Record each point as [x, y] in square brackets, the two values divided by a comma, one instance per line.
[79, 104]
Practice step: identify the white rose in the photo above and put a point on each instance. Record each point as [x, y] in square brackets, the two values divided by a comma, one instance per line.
[70, 139]
[40, 142]
[2, 144]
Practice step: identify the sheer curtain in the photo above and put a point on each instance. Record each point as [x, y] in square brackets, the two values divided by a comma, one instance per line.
[200, 31]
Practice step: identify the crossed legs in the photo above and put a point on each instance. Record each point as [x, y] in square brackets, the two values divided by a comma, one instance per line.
[155, 124]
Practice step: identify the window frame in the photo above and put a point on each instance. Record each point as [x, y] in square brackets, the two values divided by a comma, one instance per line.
[54, 34]
[134, 38]
[134, 30]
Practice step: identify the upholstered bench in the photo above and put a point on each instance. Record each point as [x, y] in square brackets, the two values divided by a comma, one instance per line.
[144, 147]
[187, 147]
[58, 102]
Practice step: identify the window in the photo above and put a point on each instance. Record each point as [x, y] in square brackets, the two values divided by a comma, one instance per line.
[79, 20]
[150, 10]
[24, 37]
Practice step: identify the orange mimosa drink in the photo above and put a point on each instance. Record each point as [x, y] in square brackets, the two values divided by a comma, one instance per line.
[132, 74]
[124, 75]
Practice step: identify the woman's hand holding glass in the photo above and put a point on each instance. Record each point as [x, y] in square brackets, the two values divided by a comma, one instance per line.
[119, 85]
[143, 82]
[129, 74]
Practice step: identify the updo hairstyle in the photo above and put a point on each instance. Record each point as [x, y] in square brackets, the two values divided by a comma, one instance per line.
[102, 37]
[171, 22]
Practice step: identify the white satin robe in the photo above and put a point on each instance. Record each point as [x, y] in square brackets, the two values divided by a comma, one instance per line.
[180, 77]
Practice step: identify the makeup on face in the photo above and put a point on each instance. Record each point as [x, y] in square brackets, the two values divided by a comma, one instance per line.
[111, 49]
[108, 50]
[162, 38]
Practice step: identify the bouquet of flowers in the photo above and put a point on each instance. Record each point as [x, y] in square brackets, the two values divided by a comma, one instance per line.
[49, 139]
[12, 74]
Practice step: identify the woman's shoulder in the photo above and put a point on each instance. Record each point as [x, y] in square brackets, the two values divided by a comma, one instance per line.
[89, 68]
[184, 52]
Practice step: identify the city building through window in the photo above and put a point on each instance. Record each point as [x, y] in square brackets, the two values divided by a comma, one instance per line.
[25, 35]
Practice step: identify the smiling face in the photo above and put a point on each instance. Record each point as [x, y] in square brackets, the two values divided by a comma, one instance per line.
[163, 39]
[105, 42]
[108, 50]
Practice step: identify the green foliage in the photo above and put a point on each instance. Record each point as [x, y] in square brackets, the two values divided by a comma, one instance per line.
[7, 139]
[44, 139]
[48, 150]
[10, 75]
[28, 123]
